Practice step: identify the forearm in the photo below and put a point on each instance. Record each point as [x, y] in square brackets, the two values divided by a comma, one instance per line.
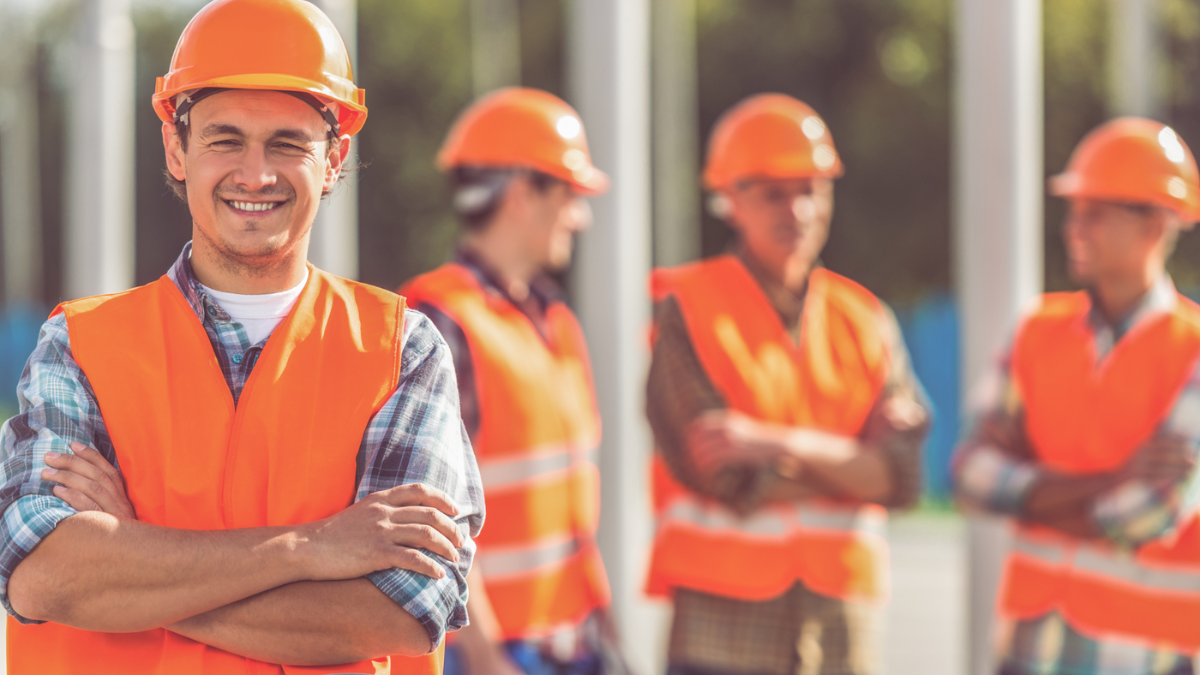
[101, 573]
[311, 623]
[844, 464]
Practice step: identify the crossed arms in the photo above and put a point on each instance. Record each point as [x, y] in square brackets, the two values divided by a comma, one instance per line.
[277, 594]
[292, 595]
[996, 470]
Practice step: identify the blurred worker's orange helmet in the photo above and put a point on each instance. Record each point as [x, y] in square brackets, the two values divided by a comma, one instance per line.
[521, 127]
[283, 45]
[769, 136]
[1133, 160]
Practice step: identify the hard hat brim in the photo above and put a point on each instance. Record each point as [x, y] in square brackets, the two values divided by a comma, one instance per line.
[353, 113]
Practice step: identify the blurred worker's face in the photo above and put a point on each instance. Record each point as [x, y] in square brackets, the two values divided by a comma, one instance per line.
[1106, 240]
[547, 220]
[783, 223]
[256, 165]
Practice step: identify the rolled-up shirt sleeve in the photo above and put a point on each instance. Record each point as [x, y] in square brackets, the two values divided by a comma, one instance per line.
[57, 407]
[418, 437]
[993, 467]
[1136, 512]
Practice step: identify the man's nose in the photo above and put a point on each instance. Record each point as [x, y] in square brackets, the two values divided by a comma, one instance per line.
[255, 172]
[581, 214]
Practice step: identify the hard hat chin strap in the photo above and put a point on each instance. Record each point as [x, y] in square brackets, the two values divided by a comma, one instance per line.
[189, 100]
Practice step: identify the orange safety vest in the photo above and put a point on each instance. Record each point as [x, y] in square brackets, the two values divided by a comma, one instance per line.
[829, 381]
[1083, 417]
[536, 447]
[192, 460]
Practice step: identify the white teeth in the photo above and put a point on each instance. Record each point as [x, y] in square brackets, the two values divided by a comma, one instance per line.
[254, 206]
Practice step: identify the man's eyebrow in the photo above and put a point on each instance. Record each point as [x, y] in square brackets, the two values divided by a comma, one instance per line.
[298, 135]
[221, 130]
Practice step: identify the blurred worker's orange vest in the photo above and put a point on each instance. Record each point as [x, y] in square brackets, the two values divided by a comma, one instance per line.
[286, 454]
[829, 381]
[1082, 417]
[536, 446]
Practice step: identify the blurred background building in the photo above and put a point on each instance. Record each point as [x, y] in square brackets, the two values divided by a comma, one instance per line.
[649, 77]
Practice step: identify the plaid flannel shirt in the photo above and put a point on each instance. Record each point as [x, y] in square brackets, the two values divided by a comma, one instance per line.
[417, 437]
[994, 471]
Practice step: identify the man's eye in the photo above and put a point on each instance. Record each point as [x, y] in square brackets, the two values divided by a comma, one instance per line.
[225, 143]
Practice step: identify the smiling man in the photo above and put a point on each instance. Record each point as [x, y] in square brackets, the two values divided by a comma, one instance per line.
[786, 418]
[249, 465]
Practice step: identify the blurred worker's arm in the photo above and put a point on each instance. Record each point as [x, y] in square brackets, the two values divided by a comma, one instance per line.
[481, 640]
[882, 465]
[995, 469]
[678, 394]
[1154, 500]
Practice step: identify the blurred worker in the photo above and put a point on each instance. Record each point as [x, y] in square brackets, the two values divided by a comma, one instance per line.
[247, 453]
[786, 417]
[1089, 438]
[519, 164]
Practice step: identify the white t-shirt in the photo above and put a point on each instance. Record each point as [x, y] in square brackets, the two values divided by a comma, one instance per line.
[258, 314]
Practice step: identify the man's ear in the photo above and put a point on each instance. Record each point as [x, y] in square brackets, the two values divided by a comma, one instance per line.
[174, 151]
[334, 162]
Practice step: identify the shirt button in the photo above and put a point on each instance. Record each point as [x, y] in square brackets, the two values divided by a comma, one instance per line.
[237, 358]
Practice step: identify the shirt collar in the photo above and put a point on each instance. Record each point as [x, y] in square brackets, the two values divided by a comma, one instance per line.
[789, 305]
[543, 288]
[185, 279]
[1160, 299]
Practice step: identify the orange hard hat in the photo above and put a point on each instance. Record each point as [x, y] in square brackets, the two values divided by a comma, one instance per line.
[1133, 160]
[521, 127]
[281, 45]
[769, 136]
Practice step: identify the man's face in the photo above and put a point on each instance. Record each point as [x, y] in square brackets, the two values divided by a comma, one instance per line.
[1105, 240]
[256, 165]
[782, 222]
[554, 216]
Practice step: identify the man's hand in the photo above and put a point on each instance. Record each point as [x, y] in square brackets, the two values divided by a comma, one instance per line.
[87, 482]
[384, 530]
[1164, 458]
[719, 438]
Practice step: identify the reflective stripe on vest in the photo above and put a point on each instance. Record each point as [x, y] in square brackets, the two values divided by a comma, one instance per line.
[1082, 417]
[536, 449]
[829, 381]
[285, 455]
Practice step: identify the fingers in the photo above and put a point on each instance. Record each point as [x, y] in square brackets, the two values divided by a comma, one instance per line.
[96, 495]
[415, 561]
[88, 475]
[425, 515]
[419, 494]
[426, 537]
[76, 499]
[85, 462]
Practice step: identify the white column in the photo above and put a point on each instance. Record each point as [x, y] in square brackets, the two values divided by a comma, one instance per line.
[99, 239]
[608, 74]
[333, 246]
[676, 167]
[20, 189]
[495, 45]
[1135, 57]
[998, 227]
